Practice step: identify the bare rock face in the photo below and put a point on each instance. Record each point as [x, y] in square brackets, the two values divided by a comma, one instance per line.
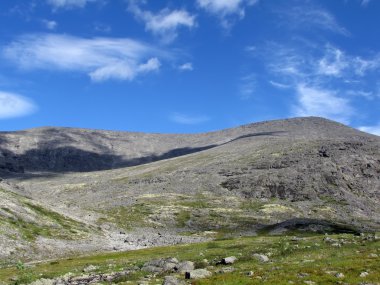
[308, 174]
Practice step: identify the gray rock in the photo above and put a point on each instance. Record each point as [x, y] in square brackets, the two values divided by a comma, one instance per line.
[185, 266]
[198, 274]
[229, 260]
[261, 257]
[152, 269]
[160, 265]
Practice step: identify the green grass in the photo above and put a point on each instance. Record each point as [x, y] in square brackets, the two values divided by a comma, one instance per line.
[48, 224]
[128, 217]
[289, 259]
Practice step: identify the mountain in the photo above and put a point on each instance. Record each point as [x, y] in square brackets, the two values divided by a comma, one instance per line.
[123, 190]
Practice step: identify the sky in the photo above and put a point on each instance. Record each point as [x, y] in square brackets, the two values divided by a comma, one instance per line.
[176, 66]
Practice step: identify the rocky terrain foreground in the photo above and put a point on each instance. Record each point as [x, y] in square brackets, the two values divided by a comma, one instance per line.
[65, 192]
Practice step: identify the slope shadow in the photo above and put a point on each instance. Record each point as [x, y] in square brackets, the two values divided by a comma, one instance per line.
[308, 225]
[71, 159]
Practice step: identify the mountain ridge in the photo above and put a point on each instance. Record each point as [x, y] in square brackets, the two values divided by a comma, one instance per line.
[307, 174]
[114, 149]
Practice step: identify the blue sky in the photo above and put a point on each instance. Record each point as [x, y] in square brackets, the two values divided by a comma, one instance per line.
[187, 66]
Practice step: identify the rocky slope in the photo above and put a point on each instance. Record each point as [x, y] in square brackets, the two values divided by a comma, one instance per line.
[133, 190]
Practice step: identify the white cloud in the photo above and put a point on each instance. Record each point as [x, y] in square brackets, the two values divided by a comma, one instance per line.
[333, 63]
[364, 65]
[286, 62]
[50, 25]
[321, 102]
[247, 86]
[100, 58]
[152, 64]
[165, 23]
[317, 65]
[14, 105]
[69, 3]
[306, 16]
[226, 8]
[279, 85]
[188, 66]
[375, 130]
[187, 119]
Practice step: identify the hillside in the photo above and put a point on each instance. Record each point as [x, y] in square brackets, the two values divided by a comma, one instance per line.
[136, 190]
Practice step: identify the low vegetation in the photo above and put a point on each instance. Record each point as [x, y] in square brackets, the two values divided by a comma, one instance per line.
[311, 259]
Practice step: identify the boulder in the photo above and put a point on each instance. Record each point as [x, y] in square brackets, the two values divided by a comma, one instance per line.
[185, 266]
[197, 274]
[261, 257]
[228, 260]
[160, 265]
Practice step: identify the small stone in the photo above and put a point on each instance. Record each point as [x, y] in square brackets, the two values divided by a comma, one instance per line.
[364, 274]
[339, 275]
[198, 274]
[309, 282]
[249, 273]
[229, 260]
[261, 257]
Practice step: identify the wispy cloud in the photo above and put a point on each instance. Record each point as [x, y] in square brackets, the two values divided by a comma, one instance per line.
[14, 105]
[69, 3]
[101, 27]
[326, 79]
[375, 130]
[165, 23]
[313, 101]
[363, 65]
[50, 25]
[309, 16]
[185, 119]
[188, 66]
[365, 2]
[318, 65]
[247, 86]
[279, 85]
[333, 62]
[226, 10]
[100, 58]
